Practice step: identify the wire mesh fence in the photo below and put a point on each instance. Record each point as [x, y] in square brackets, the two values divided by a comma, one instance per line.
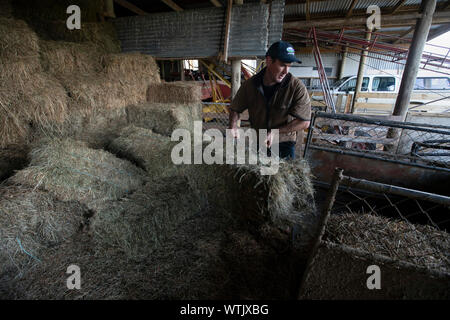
[415, 144]
[405, 225]
[215, 116]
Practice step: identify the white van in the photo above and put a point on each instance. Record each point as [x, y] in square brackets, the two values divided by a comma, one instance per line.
[380, 91]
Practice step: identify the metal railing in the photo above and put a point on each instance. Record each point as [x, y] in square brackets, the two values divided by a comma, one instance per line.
[368, 138]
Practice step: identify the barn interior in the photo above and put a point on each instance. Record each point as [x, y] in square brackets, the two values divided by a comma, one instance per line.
[92, 94]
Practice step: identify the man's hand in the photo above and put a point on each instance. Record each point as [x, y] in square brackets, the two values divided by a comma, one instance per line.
[269, 139]
[235, 133]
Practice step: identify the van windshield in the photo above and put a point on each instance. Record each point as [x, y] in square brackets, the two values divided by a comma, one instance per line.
[339, 82]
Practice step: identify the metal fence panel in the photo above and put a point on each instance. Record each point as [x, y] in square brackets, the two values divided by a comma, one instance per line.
[200, 33]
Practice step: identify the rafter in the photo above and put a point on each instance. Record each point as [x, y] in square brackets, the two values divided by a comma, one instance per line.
[397, 6]
[216, 3]
[350, 10]
[404, 34]
[308, 10]
[173, 5]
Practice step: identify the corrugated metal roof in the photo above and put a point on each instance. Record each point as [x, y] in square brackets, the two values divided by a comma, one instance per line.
[329, 6]
[199, 33]
[364, 4]
[317, 7]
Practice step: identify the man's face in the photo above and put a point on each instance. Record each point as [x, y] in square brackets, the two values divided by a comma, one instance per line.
[277, 69]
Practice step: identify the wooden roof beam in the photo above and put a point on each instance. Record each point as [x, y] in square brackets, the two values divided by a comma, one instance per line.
[404, 34]
[350, 10]
[131, 7]
[403, 19]
[308, 10]
[216, 3]
[397, 6]
[172, 5]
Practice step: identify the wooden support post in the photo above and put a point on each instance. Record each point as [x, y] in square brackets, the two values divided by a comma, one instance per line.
[411, 69]
[227, 31]
[235, 80]
[182, 70]
[235, 77]
[343, 61]
[362, 62]
[319, 232]
[413, 60]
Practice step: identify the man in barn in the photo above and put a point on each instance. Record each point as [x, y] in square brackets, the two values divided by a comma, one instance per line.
[275, 99]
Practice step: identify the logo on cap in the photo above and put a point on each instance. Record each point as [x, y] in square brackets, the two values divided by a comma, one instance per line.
[290, 50]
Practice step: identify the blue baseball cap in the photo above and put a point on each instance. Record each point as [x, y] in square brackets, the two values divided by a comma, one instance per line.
[283, 51]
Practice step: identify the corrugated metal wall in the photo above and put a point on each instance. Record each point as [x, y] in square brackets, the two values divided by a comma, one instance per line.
[200, 33]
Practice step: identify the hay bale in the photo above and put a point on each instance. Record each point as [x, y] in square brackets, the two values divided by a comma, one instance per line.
[19, 51]
[131, 67]
[90, 93]
[32, 221]
[164, 118]
[72, 171]
[137, 225]
[204, 257]
[40, 104]
[64, 59]
[186, 266]
[178, 92]
[102, 35]
[18, 40]
[98, 128]
[421, 245]
[283, 200]
[149, 150]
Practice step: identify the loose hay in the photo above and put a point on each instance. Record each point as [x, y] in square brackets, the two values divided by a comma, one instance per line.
[164, 118]
[30, 222]
[417, 244]
[178, 92]
[149, 150]
[72, 171]
[284, 200]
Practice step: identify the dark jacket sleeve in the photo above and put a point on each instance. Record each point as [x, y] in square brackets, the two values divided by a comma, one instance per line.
[301, 103]
[239, 103]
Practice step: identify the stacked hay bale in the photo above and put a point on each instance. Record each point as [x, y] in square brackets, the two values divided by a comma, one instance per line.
[32, 221]
[28, 97]
[100, 84]
[149, 150]
[70, 170]
[413, 260]
[170, 106]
